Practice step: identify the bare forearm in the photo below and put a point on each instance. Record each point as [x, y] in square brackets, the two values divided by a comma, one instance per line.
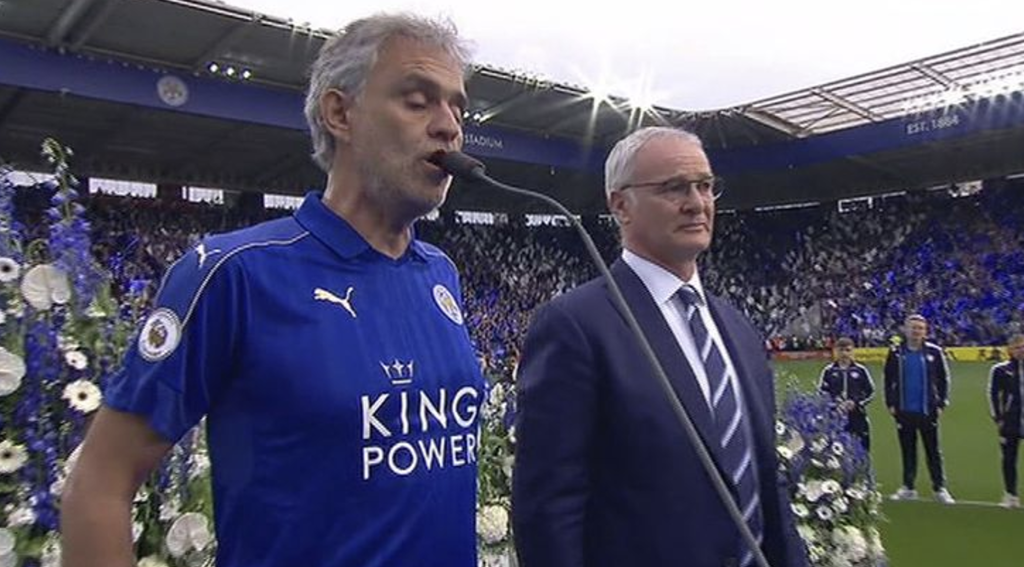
[96, 531]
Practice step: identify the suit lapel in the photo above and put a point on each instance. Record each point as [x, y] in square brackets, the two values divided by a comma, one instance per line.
[669, 354]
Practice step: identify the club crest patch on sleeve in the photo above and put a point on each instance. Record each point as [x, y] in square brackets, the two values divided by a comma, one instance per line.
[446, 302]
[160, 335]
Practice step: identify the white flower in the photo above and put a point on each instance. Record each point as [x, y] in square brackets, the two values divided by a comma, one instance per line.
[151, 561]
[9, 270]
[814, 490]
[45, 285]
[83, 396]
[12, 370]
[819, 445]
[12, 457]
[785, 452]
[20, 517]
[799, 510]
[16, 310]
[190, 531]
[817, 463]
[824, 513]
[512, 434]
[507, 464]
[841, 505]
[831, 487]
[200, 464]
[76, 359]
[57, 488]
[816, 553]
[833, 463]
[807, 533]
[7, 541]
[780, 428]
[142, 494]
[855, 493]
[51, 553]
[492, 524]
[137, 529]
[837, 448]
[168, 510]
[875, 543]
[795, 443]
[851, 542]
[3, 317]
[66, 343]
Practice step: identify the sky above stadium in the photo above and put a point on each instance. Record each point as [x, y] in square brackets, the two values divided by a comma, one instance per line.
[690, 55]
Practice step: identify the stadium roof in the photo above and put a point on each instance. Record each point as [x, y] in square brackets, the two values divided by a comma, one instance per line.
[187, 36]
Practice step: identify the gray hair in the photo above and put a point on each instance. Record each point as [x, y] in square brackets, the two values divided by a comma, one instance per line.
[618, 168]
[345, 62]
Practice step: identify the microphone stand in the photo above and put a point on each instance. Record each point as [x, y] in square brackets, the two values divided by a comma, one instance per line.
[464, 167]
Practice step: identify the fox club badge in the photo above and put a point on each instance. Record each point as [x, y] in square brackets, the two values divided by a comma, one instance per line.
[446, 301]
[160, 335]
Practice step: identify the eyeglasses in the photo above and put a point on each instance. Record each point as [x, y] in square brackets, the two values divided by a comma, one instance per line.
[676, 189]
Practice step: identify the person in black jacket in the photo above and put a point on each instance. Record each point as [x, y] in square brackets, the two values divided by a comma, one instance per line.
[1005, 392]
[916, 393]
[850, 385]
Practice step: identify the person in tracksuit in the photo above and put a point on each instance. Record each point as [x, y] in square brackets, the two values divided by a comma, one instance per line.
[1005, 394]
[849, 383]
[916, 393]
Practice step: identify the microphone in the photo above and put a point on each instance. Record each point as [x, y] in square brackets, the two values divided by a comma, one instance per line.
[466, 168]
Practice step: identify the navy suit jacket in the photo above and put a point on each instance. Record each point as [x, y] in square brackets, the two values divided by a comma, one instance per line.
[604, 473]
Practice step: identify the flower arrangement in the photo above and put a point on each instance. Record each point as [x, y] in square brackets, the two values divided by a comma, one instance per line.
[497, 442]
[834, 497]
[62, 337]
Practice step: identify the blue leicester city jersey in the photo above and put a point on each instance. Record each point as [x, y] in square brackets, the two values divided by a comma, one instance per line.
[341, 392]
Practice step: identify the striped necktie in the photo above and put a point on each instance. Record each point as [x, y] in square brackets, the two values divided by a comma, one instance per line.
[735, 447]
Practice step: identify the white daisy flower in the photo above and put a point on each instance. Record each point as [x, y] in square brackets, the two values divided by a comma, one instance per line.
[831, 487]
[838, 449]
[800, 510]
[780, 428]
[76, 359]
[190, 531]
[21, 517]
[795, 443]
[824, 513]
[784, 452]
[834, 464]
[12, 370]
[492, 524]
[819, 445]
[841, 505]
[7, 541]
[45, 285]
[814, 491]
[9, 270]
[12, 457]
[855, 493]
[83, 396]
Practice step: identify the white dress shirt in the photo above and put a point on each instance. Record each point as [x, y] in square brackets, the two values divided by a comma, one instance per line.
[663, 285]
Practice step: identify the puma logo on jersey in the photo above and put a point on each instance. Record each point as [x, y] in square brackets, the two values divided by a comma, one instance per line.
[321, 294]
[203, 254]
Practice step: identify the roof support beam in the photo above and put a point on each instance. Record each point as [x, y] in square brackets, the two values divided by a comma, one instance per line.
[847, 105]
[94, 24]
[931, 73]
[70, 16]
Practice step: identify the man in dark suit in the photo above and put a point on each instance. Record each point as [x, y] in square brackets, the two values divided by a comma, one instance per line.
[605, 475]
[1006, 404]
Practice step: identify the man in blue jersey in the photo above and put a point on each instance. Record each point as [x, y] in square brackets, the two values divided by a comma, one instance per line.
[1006, 405]
[916, 393]
[327, 351]
[849, 383]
